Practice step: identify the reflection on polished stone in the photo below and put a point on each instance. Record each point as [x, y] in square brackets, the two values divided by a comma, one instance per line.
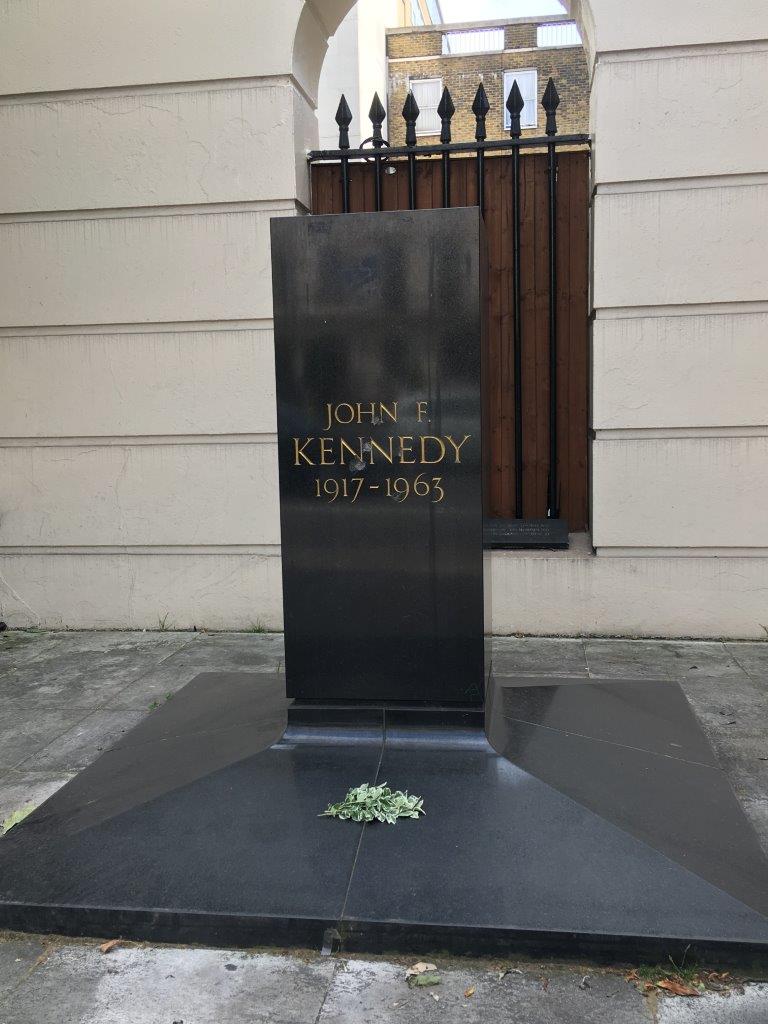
[596, 817]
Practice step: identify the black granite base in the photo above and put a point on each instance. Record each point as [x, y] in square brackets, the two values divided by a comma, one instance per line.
[597, 824]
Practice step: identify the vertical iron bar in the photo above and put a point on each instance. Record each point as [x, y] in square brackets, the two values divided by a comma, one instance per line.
[518, 335]
[550, 102]
[446, 110]
[377, 180]
[343, 120]
[552, 496]
[377, 113]
[515, 104]
[345, 184]
[410, 113]
[480, 108]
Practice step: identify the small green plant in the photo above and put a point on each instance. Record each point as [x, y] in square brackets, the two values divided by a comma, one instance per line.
[375, 803]
[16, 817]
[162, 623]
[257, 627]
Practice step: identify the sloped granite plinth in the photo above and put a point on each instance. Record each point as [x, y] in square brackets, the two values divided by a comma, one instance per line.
[597, 823]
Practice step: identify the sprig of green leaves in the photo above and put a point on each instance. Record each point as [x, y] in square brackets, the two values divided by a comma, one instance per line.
[375, 803]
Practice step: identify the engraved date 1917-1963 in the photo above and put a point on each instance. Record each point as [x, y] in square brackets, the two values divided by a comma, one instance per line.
[398, 487]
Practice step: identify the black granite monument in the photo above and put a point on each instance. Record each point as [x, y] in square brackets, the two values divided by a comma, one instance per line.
[564, 815]
[379, 351]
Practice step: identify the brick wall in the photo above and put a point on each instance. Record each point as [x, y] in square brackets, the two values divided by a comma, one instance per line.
[420, 54]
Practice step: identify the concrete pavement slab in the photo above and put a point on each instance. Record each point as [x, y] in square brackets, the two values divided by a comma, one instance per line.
[87, 669]
[547, 656]
[82, 744]
[81, 985]
[229, 652]
[18, 956]
[659, 659]
[24, 731]
[365, 992]
[747, 1007]
[752, 657]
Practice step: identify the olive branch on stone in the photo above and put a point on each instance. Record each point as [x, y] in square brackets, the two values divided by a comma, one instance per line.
[375, 803]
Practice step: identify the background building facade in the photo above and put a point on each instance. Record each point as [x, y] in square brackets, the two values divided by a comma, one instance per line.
[145, 149]
[494, 52]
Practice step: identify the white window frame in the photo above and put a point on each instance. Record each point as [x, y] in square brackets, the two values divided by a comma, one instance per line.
[420, 130]
[525, 117]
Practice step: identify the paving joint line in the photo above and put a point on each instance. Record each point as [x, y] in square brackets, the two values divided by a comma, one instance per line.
[327, 990]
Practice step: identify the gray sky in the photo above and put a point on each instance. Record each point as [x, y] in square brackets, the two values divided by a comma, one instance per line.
[482, 10]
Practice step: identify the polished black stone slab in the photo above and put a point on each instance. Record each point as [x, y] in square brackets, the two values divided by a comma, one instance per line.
[378, 355]
[574, 831]
[526, 534]
[501, 851]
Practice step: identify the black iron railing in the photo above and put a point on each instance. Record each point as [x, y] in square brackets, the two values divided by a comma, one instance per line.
[377, 149]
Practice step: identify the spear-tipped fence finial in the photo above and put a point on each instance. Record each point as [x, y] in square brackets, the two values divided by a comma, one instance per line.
[410, 113]
[376, 114]
[550, 101]
[514, 105]
[343, 120]
[445, 111]
[480, 108]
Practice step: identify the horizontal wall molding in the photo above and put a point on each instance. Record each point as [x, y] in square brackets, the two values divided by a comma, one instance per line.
[157, 89]
[136, 440]
[655, 433]
[714, 552]
[678, 52]
[160, 327]
[681, 309]
[265, 550]
[621, 188]
[148, 212]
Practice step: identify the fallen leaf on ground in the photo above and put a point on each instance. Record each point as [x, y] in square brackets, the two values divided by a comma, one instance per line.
[468, 992]
[677, 988]
[419, 968]
[584, 983]
[107, 947]
[435, 997]
[545, 983]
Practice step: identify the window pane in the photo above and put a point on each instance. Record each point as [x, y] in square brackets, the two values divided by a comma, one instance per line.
[477, 41]
[427, 93]
[527, 84]
[562, 34]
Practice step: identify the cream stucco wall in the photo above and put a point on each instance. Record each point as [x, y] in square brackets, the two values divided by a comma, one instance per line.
[145, 149]
[355, 65]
